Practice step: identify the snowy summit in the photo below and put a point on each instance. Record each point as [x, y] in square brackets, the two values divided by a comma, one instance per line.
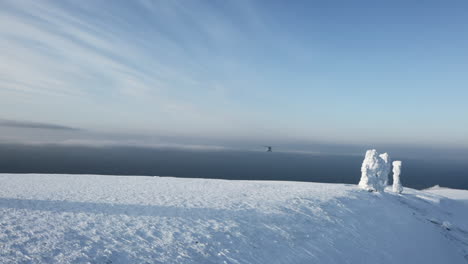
[129, 219]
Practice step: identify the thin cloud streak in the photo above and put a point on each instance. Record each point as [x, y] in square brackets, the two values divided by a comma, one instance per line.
[34, 125]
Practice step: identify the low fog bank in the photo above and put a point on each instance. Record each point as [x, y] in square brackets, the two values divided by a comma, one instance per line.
[220, 164]
[31, 133]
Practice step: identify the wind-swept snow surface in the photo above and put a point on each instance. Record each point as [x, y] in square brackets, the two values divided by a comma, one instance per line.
[123, 219]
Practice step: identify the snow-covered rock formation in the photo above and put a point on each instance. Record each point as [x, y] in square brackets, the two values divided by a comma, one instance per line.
[383, 173]
[397, 187]
[374, 171]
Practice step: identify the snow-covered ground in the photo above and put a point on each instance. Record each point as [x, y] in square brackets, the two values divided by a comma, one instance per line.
[124, 219]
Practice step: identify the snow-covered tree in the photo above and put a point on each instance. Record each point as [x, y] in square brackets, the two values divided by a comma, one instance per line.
[397, 187]
[374, 171]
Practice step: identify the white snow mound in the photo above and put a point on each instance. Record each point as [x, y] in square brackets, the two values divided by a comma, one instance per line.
[129, 219]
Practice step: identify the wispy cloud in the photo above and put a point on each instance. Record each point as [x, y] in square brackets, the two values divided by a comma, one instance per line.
[173, 61]
[52, 52]
[80, 46]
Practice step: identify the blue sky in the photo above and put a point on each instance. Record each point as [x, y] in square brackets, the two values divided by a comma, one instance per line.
[360, 72]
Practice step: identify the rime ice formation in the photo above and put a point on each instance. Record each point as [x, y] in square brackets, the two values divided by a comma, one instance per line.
[374, 171]
[397, 187]
[383, 173]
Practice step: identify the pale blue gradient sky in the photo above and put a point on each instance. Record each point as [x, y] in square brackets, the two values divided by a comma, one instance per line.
[362, 72]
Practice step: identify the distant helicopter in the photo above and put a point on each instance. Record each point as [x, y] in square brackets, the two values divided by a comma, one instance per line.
[268, 148]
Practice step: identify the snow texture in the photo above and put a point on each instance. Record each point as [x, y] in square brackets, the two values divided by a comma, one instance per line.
[374, 171]
[397, 187]
[131, 219]
[460, 195]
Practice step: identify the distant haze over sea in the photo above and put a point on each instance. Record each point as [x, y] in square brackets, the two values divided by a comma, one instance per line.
[220, 164]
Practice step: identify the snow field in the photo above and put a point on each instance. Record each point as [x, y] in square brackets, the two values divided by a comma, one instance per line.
[131, 219]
